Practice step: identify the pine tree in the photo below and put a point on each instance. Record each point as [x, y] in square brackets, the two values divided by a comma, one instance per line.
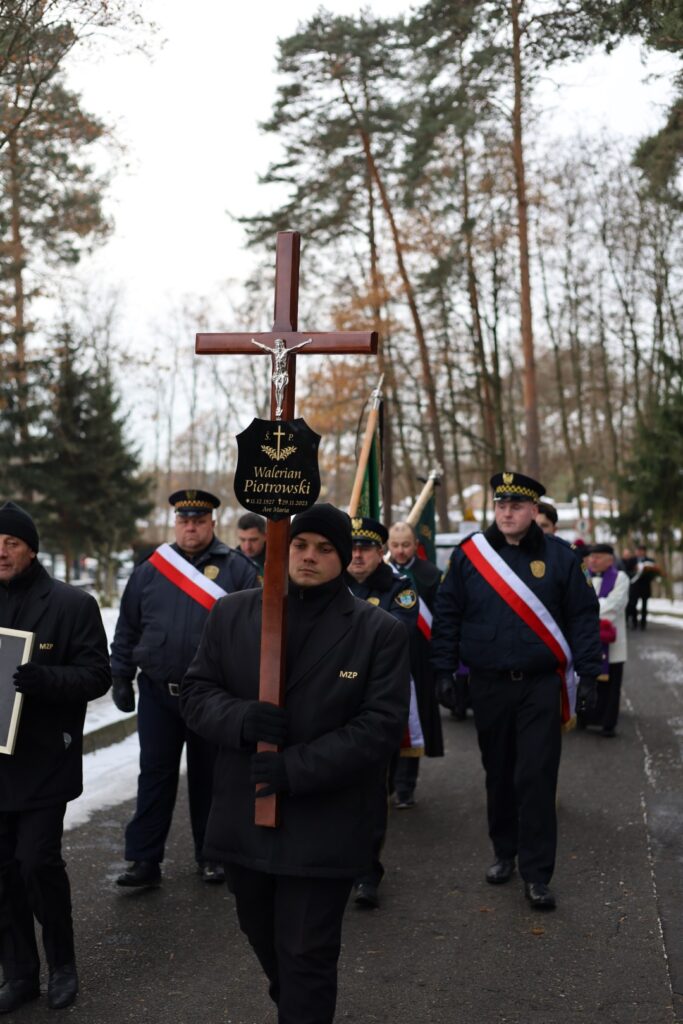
[50, 206]
[91, 490]
[653, 478]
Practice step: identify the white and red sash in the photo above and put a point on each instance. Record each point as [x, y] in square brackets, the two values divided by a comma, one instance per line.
[424, 619]
[413, 744]
[186, 577]
[518, 596]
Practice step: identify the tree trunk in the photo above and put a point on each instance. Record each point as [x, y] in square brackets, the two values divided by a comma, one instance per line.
[532, 458]
[559, 383]
[427, 376]
[19, 328]
[487, 405]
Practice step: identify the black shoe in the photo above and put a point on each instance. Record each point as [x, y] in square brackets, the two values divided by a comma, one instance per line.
[367, 895]
[16, 992]
[62, 986]
[501, 871]
[539, 896]
[404, 802]
[211, 872]
[140, 873]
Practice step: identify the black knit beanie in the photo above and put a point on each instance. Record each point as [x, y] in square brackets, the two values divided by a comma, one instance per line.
[18, 523]
[328, 521]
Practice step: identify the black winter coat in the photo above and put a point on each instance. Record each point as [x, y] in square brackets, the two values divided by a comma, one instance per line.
[474, 625]
[347, 698]
[159, 627]
[46, 767]
[390, 590]
[426, 577]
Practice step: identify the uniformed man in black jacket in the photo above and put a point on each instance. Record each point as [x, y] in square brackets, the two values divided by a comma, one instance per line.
[425, 578]
[371, 579]
[68, 667]
[163, 611]
[346, 704]
[513, 603]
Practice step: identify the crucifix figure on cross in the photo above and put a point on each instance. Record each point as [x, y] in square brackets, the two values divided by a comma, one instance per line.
[280, 344]
[280, 379]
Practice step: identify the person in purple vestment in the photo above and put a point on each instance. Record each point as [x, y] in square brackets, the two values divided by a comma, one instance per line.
[612, 588]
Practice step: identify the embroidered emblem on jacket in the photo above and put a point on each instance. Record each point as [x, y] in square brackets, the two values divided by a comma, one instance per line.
[406, 599]
[346, 674]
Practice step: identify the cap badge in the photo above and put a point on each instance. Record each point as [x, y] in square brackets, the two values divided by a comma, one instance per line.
[508, 478]
[356, 524]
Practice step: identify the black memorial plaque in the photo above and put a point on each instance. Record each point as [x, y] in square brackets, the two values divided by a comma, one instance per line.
[277, 471]
[15, 649]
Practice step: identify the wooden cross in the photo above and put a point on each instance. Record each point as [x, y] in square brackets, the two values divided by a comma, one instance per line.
[284, 332]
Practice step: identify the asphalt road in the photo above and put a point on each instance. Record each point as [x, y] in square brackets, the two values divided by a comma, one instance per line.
[445, 946]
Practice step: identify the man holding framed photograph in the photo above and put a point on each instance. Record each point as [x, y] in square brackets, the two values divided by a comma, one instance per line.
[69, 666]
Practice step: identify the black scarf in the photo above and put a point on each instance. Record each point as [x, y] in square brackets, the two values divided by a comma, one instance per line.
[306, 606]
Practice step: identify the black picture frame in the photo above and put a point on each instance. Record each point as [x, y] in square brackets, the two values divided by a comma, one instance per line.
[16, 646]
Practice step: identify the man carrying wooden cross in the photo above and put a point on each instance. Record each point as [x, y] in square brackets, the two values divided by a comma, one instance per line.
[346, 705]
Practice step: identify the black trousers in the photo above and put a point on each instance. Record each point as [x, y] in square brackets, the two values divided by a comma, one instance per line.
[294, 927]
[405, 776]
[519, 731]
[609, 696]
[632, 608]
[33, 883]
[162, 734]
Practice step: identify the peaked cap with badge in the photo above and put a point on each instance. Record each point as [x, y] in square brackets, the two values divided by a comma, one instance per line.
[516, 487]
[191, 502]
[365, 530]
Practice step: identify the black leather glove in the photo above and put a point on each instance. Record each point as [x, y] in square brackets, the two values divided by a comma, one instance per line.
[264, 721]
[269, 767]
[123, 694]
[445, 690]
[586, 694]
[32, 680]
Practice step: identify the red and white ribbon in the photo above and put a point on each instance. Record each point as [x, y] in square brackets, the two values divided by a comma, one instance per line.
[424, 619]
[413, 743]
[518, 596]
[184, 575]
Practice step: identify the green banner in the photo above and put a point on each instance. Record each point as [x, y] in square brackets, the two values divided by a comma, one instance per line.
[426, 532]
[370, 503]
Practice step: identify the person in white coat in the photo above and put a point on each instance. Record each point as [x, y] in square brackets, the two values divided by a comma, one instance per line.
[612, 588]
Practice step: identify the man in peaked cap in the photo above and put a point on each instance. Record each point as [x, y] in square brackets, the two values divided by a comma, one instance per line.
[68, 667]
[163, 611]
[371, 579]
[346, 702]
[425, 577]
[515, 606]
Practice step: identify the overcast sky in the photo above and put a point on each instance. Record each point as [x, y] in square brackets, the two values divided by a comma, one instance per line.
[189, 118]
